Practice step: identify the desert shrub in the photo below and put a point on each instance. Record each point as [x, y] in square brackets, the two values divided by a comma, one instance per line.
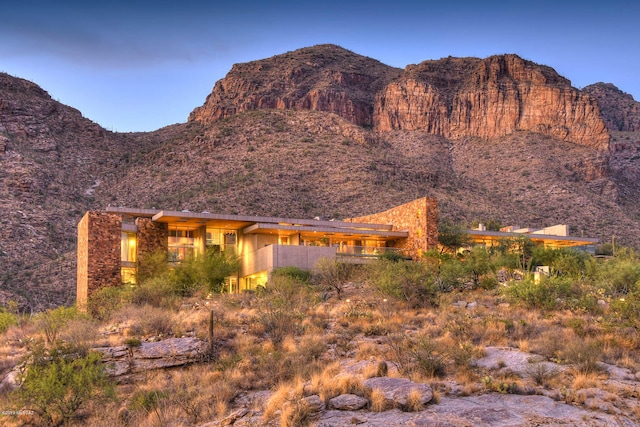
[620, 276]
[488, 283]
[6, 320]
[295, 273]
[58, 382]
[392, 256]
[132, 342]
[80, 333]
[571, 263]
[153, 265]
[147, 399]
[584, 355]
[157, 292]
[52, 321]
[332, 274]
[477, 264]
[281, 305]
[207, 271]
[533, 295]
[626, 311]
[406, 280]
[154, 321]
[450, 274]
[541, 372]
[417, 354]
[554, 292]
[105, 301]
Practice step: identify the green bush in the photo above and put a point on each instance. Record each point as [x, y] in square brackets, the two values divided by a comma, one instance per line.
[405, 280]
[6, 320]
[158, 292]
[147, 400]
[105, 301]
[332, 274]
[57, 383]
[533, 295]
[292, 272]
[281, 305]
[51, 322]
[207, 271]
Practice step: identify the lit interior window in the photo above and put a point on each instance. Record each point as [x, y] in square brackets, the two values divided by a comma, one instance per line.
[128, 247]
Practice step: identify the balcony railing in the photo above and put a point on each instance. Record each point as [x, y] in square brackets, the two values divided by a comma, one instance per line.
[368, 251]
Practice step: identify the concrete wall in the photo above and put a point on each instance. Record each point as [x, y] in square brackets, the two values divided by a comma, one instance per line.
[99, 254]
[419, 218]
[273, 256]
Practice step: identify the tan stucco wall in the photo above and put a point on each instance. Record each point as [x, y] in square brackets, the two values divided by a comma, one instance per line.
[419, 218]
[99, 256]
[273, 256]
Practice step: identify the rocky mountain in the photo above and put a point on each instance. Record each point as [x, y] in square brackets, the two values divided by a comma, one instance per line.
[619, 110]
[320, 131]
[323, 78]
[451, 97]
[488, 98]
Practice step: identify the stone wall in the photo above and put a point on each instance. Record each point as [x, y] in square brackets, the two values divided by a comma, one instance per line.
[99, 253]
[152, 237]
[419, 218]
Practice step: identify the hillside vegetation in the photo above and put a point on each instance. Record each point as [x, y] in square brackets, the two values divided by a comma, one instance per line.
[468, 327]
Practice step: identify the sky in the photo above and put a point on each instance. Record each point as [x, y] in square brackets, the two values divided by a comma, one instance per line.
[139, 65]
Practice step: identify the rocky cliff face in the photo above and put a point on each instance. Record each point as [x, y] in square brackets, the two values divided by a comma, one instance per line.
[488, 98]
[322, 78]
[451, 97]
[619, 110]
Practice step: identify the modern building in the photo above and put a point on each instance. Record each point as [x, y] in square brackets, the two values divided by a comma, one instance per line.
[554, 237]
[111, 242]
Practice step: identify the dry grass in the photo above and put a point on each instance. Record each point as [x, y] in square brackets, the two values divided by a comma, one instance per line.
[585, 380]
[414, 401]
[442, 342]
[378, 401]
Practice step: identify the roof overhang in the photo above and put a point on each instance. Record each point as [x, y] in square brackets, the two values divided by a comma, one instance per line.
[549, 238]
[238, 222]
[324, 231]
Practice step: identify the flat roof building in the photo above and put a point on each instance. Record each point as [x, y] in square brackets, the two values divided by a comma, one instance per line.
[111, 242]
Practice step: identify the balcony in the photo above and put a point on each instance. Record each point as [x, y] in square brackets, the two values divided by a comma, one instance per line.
[367, 252]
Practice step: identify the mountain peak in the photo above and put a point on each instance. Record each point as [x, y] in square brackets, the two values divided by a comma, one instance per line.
[619, 110]
[450, 97]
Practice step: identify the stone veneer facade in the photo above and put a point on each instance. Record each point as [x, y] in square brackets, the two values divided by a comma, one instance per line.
[99, 253]
[419, 217]
[152, 236]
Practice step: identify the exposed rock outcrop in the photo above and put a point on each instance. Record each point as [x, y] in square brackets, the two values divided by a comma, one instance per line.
[321, 78]
[451, 97]
[619, 110]
[397, 391]
[167, 353]
[487, 98]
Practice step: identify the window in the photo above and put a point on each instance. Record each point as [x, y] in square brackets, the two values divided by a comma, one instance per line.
[181, 243]
[128, 247]
[128, 275]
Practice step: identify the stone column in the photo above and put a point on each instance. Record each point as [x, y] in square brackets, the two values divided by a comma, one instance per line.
[152, 237]
[419, 218]
[99, 254]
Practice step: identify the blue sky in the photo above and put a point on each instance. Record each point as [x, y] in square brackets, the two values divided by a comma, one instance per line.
[141, 65]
